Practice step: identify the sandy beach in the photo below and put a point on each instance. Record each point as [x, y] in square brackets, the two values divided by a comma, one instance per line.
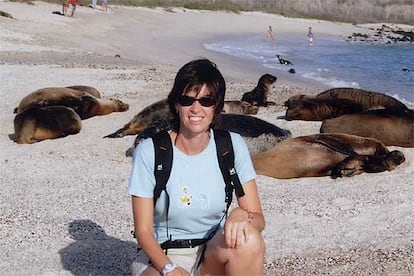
[64, 203]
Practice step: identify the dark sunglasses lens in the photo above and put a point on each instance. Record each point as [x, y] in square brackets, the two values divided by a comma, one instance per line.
[186, 100]
[204, 101]
[207, 101]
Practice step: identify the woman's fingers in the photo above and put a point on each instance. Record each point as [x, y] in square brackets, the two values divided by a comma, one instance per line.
[236, 234]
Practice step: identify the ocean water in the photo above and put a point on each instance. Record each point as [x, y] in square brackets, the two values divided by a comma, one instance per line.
[331, 61]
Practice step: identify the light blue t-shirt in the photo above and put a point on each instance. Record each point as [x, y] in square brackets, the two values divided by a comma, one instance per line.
[196, 188]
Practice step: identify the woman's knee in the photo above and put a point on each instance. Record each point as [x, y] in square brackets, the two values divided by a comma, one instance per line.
[255, 244]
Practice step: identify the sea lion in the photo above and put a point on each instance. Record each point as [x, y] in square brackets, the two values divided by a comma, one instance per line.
[245, 125]
[83, 103]
[258, 96]
[156, 111]
[390, 127]
[368, 99]
[283, 61]
[316, 109]
[88, 89]
[322, 154]
[240, 107]
[161, 111]
[39, 123]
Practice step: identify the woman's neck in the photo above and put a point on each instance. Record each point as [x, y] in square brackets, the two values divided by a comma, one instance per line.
[191, 144]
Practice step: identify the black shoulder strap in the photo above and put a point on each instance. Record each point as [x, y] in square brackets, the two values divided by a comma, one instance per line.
[225, 155]
[163, 161]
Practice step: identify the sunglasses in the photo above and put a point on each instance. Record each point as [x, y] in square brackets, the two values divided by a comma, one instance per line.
[206, 101]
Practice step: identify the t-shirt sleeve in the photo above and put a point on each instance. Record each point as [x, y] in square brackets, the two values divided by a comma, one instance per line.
[242, 160]
[142, 180]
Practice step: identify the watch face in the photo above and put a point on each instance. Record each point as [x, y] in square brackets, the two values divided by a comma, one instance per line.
[168, 268]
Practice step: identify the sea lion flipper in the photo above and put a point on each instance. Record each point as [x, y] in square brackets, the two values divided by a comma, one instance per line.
[335, 144]
[117, 134]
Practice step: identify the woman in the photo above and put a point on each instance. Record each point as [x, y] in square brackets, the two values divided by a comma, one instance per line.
[196, 190]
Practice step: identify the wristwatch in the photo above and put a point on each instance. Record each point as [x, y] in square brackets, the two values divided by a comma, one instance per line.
[168, 268]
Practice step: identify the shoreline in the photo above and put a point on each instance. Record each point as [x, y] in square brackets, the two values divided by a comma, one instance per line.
[65, 207]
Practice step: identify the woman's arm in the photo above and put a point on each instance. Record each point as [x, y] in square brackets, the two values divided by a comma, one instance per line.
[250, 203]
[143, 211]
[242, 219]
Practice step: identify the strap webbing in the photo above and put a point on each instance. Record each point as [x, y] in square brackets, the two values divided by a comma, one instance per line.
[163, 162]
[225, 155]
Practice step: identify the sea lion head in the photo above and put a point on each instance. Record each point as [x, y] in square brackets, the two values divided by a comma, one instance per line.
[267, 79]
[394, 158]
[121, 106]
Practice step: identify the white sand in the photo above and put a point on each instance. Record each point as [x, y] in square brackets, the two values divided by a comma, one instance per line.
[64, 205]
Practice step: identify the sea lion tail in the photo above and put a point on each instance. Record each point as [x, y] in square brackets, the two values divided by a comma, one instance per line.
[117, 134]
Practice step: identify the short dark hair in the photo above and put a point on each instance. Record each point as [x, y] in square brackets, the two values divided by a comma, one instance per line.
[192, 76]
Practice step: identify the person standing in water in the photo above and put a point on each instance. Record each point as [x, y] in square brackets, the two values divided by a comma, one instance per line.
[310, 36]
[270, 34]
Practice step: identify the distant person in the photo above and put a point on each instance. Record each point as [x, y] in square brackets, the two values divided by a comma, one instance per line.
[105, 5]
[270, 34]
[66, 5]
[310, 36]
[93, 5]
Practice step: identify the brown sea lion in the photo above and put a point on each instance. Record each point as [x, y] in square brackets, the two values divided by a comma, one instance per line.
[240, 107]
[391, 128]
[315, 109]
[368, 99]
[88, 89]
[321, 154]
[161, 111]
[156, 111]
[83, 103]
[258, 96]
[39, 123]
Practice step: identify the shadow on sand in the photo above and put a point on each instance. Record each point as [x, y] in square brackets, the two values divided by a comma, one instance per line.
[95, 253]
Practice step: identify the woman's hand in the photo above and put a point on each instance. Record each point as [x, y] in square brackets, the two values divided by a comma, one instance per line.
[236, 228]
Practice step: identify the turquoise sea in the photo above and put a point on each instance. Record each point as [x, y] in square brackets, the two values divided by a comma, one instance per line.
[331, 61]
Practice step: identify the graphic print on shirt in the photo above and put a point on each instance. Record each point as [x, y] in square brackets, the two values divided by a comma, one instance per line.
[203, 200]
[185, 199]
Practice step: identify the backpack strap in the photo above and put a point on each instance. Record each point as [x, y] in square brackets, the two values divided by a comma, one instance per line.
[163, 162]
[225, 155]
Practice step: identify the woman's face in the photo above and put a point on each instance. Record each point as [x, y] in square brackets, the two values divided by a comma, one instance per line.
[196, 117]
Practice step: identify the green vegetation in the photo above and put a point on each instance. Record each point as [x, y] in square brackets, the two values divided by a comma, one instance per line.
[361, 11]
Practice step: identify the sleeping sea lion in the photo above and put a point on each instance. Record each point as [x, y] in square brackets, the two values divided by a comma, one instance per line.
[245, 125]
[322, 154]
[390, 127]
[240, 107]
[156, 111]
[316, 109]
[83, 103]
[39, 123]
[88, 89]
[368, 99]
[161, 111]
[258, 96]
